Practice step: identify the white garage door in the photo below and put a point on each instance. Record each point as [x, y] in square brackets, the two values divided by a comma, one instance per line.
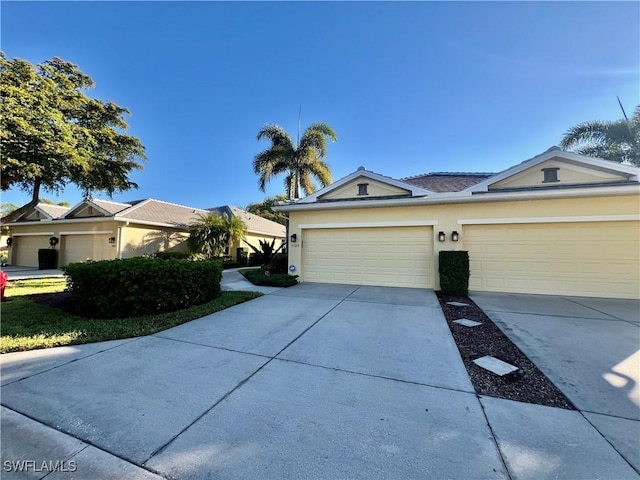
[387, 256]
[26, 249]
[79, 248]
[584, 258]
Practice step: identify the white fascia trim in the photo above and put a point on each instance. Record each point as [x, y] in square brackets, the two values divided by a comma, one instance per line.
[574, 219]
[267, 234]
[38, 209]
[88, 232]
[485, 197]
[65, 221]
[415, 191]
[543, 157]
[31, 234]
[153, 224]
[409, 223]
[89, 203]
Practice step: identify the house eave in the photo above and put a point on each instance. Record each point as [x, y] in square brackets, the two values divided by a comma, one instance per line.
[491, 196]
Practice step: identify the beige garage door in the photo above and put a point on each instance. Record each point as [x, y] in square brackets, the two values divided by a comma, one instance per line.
[26, 249]
[388, 256]
[584, 259]
[79, 248]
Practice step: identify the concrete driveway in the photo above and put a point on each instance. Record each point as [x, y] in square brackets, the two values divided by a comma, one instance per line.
[589, 347]
[313, 381]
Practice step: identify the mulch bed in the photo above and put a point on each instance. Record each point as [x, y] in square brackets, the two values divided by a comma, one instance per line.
[61, 300]
[528, 384]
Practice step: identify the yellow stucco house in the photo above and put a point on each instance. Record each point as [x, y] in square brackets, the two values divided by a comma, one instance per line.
[103, 230]
[559, 223]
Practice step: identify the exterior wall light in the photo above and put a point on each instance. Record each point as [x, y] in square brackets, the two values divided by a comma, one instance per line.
[441, 237]
[53, 241]
[9, 241]
[294, 238]
[112, 239]
[455, 236]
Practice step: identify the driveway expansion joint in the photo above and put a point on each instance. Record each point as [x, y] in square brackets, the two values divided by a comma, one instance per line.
[215, 347]
[88, 443]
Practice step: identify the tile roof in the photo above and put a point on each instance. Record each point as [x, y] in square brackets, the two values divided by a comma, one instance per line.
[54, 211]
[254, 223]
[447, 181]
[157, 211]
[109, 206]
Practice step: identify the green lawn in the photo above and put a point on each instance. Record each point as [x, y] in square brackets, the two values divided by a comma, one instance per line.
[258, 277]
[27, 325]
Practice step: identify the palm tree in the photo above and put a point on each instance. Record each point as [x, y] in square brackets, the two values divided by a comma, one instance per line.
[300, 162]
[618, 140]
[211, 234]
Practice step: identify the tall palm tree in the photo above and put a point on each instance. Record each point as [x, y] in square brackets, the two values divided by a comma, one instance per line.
[211, 234]
[618, 140]
[300, 162]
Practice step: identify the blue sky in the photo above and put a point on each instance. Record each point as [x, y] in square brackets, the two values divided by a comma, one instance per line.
[409, 87]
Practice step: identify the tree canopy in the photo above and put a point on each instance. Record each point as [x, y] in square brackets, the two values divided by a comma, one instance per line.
[212, 234]
[264, 209]
[53, 134]
[617, 140]
[300, 162]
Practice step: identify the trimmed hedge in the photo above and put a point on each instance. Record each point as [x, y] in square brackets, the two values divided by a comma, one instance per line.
[141, 286]
[454, 272]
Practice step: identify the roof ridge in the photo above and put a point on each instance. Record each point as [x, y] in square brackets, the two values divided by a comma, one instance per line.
[460, 174]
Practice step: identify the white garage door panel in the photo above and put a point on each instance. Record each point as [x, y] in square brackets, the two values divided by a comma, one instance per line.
[79, 248]
[590, 259]
[27, 249]
[389, 256]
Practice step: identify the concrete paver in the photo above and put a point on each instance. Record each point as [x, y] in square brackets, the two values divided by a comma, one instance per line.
[132, 399]
[539, 442]
[394, 341]
[302, 422]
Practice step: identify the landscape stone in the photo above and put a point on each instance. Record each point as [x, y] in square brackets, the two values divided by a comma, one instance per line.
[494, 365]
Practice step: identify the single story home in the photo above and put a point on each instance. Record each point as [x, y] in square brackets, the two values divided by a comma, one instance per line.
[559, 223]
[102, 230]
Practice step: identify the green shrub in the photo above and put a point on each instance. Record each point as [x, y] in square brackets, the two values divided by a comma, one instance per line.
[257, 276]
[454, 272]
[172, 255]
[255, 259]
[280, 264]
[141, 286]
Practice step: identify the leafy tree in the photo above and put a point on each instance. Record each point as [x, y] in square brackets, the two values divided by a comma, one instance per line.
[300, 162]
[53, 134]
[618, 140]
[264, 209]
[211, 234]
[48, 201]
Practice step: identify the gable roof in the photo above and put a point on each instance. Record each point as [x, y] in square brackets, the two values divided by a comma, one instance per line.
[630, 172]
[254, 223]
[440, 182]
[415, 190]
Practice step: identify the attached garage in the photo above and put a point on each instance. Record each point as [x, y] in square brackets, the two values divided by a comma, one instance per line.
[80, 247]
[387, 256]
[25, 249]
[574, 258]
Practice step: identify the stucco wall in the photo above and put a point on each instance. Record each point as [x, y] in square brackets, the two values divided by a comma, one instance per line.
[140, 240]
[454, 217]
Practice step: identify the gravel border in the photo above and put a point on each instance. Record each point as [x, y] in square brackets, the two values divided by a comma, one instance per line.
[527, 384]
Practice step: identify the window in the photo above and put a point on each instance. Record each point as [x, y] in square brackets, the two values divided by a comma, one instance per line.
[362, 189]
[550, 175]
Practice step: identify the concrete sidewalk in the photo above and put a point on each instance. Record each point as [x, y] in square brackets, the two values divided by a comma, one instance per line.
[312, 381]
[25, 273]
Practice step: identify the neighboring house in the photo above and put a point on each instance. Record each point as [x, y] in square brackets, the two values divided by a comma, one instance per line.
[258, 228]
[559, 223]
[102, 230]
